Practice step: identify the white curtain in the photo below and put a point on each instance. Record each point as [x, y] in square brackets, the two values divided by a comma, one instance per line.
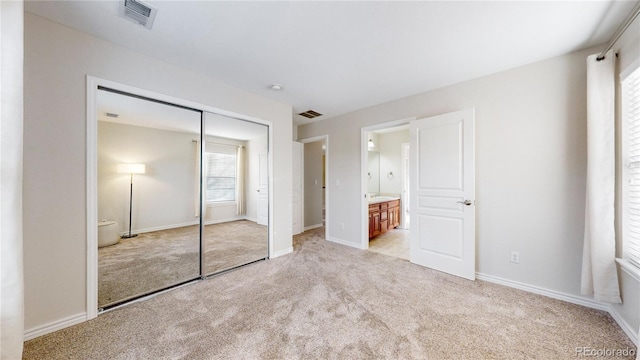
[599, 274]
[240, 202]
[11, 71]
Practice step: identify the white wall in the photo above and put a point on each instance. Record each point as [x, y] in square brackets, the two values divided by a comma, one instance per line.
[11, 162]
[391, 161]
[163, 197]
[57, 60]
[313, 184]
[166, 195]
[530, 167]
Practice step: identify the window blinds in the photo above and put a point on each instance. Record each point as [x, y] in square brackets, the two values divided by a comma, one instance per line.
[631, 121]
[221, 177]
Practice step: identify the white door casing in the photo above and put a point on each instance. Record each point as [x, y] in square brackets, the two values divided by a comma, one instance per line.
[263, 190]
[296, 199]
[405, 217]
[442, 181]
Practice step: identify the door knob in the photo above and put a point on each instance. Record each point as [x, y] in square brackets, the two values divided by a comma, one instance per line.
[466, 202]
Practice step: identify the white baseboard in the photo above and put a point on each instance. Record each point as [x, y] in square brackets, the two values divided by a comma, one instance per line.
[631, 332]
[578, 300]
[344, 242]
[174, 226]
[312, 227]
[282, 252]
[54, 326]
[162, 227]
[218, 221]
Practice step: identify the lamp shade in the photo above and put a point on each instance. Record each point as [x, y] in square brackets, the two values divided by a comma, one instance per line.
[131, 168]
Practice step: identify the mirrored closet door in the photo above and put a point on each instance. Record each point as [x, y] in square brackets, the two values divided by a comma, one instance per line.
[235, 193]
[175, 204]
[148, 191]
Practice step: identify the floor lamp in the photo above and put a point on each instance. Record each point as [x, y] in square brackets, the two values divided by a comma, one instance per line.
[130, 169]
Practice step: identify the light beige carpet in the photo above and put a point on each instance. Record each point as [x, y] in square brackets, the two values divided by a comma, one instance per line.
[156, 260]
[327, 301]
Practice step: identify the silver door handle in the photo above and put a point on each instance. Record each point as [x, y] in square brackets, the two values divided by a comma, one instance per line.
[466, 202]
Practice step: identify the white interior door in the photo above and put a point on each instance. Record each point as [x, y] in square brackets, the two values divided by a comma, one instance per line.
[443, 193]
[296, 200]
[263, 189]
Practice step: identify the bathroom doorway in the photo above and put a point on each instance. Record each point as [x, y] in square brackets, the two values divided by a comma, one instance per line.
[442, 168]
[386, 177]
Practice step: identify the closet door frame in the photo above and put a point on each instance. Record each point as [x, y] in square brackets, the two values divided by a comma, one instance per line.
[92, 85]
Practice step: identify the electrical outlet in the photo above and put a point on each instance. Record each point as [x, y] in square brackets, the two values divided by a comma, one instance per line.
[515, 257]
[342, 225]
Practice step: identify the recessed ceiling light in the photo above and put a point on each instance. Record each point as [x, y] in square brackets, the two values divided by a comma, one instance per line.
[276, 87]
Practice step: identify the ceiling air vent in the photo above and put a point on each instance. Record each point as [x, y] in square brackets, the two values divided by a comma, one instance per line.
[310, 114]
[138, 12]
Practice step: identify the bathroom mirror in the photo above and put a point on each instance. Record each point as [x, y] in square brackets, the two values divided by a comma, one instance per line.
[373, 176]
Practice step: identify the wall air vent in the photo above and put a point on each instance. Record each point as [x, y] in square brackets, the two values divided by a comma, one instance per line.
[310, 114]
[112, 115]
[138, 12]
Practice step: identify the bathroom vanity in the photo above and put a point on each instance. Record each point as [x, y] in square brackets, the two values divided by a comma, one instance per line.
[384, 215]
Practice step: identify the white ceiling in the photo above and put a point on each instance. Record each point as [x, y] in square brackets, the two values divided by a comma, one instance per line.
[145, 113]
[337, 57]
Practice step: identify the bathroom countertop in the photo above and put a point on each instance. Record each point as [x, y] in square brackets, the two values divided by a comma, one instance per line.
[379, 199]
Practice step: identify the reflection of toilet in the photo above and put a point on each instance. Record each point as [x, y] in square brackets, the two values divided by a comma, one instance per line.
[107, 233]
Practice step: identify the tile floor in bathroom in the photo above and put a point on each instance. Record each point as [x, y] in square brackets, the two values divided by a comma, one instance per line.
[393, 243]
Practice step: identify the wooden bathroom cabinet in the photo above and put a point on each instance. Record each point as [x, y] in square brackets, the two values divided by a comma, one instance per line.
[383, 216]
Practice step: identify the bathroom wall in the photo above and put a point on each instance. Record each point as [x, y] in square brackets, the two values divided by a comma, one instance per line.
[390, 145]
[373, 172]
